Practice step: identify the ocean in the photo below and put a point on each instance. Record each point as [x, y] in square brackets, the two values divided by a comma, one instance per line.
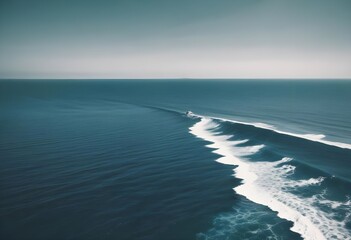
[122, 159]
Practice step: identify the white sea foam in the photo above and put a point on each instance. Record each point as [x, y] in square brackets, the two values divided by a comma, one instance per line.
[312, 137]
[267, 183]
[307, 182]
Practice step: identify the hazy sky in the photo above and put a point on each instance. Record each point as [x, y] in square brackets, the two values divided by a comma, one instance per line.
[175, 39]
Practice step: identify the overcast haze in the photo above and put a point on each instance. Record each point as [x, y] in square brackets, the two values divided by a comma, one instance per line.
[175, 39]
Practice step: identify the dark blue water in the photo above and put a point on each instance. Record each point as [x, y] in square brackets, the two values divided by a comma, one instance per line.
[115, 159]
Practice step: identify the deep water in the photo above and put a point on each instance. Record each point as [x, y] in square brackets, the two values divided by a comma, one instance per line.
[103, 159]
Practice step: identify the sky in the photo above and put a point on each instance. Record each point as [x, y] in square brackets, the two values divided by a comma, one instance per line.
[175, 39]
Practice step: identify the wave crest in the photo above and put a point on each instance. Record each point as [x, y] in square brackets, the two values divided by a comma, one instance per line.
[266, 183]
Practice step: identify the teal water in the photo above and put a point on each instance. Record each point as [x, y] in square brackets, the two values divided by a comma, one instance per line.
[101, 159]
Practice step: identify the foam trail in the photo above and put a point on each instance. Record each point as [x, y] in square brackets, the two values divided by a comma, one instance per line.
[269, 180]
[311, 137]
